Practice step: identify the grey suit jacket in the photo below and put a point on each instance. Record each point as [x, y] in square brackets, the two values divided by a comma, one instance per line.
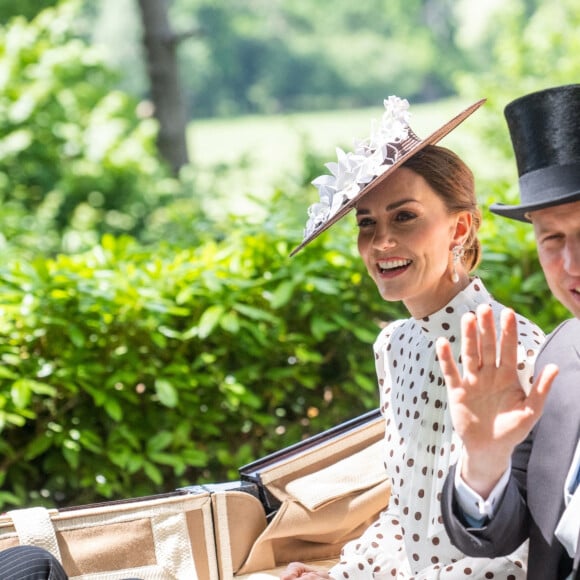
[534, 498]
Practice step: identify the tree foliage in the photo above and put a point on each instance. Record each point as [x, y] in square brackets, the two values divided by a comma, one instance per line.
[532, 45]
[163, 348]
[25, 8]
[76, 161]
[283, 56]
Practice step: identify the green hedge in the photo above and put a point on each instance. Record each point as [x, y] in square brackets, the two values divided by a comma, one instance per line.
[128, 371]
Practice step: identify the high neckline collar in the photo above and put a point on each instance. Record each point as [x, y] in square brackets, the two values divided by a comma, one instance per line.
[447, 321]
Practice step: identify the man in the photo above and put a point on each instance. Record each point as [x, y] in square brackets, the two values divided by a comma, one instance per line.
[30, 563]
[510, 485]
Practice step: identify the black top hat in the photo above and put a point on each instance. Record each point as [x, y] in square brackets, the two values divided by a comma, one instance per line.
[545, 133]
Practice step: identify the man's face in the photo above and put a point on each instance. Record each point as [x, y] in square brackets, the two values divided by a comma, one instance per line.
[557, 231]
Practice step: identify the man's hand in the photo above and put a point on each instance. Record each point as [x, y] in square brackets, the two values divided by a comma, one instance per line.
[489, 409]
[299, 570]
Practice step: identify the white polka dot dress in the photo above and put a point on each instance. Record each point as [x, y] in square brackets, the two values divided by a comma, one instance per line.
[408, 541]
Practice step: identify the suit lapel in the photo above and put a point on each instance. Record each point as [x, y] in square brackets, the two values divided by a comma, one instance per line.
[576, 566]
[557, 432]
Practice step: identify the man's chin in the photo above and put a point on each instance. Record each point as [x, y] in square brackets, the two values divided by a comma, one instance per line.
[573, 305]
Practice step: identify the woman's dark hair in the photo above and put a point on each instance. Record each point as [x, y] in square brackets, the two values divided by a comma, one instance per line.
[453, 182]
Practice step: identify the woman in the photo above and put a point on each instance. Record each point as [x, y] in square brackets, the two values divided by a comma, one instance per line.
[418, 219]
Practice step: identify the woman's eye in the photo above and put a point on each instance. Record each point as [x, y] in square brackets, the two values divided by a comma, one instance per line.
[365, 222]
[404, 216]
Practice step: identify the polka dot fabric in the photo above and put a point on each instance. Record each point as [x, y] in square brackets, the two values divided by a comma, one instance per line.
[408, 541]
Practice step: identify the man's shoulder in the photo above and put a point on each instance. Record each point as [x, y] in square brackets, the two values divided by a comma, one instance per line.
[565, 333]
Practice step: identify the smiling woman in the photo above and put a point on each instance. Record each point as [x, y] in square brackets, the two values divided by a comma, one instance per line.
[406, 243]
[418, 220]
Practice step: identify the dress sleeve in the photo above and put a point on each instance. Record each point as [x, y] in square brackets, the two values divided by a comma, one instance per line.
[380, 554]
[530, 340]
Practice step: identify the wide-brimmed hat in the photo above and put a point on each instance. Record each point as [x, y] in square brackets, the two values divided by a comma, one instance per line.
[545, 131]
[354, 174]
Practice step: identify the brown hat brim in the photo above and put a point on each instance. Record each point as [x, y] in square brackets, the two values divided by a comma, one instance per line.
[417, 146]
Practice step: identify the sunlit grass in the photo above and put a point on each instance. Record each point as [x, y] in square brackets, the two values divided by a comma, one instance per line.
[269, 149]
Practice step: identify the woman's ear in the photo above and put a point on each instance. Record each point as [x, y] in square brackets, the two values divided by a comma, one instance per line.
[463, 221]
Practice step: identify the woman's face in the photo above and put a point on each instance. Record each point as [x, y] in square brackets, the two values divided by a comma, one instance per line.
[405, 238]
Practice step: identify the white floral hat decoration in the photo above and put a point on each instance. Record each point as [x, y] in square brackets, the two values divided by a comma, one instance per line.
[354, 174]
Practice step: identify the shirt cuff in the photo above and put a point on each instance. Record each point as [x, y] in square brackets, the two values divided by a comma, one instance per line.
[476, 509]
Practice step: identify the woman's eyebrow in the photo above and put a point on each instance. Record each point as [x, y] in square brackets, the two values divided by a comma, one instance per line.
[390, 207]
[399, 203]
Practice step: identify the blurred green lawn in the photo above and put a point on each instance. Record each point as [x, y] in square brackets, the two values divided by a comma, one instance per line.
[269, 149]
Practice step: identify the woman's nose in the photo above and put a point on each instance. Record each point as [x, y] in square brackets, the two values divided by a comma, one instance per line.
[383, 239]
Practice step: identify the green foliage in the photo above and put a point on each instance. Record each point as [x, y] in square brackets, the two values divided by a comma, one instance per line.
[128, 371]
[132, 369]
[533, 46]
[26, 8]
[265, 57]
[75, 159]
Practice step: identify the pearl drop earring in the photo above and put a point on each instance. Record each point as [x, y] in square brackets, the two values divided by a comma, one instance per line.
[458, 252]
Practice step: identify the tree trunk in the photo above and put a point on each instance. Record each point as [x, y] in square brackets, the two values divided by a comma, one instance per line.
[161, 52]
